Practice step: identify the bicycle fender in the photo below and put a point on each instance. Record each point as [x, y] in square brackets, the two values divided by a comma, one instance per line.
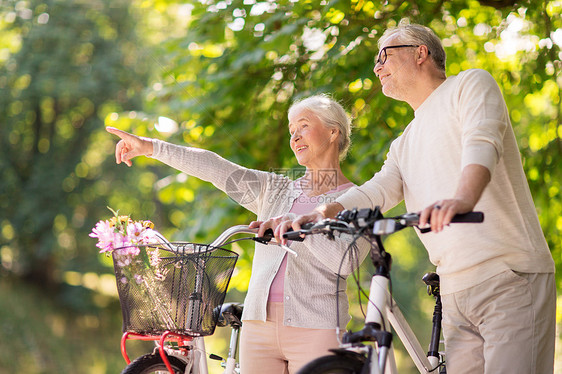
[348, 353]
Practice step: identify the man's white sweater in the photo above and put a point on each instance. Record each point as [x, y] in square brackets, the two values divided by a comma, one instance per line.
[464, 121]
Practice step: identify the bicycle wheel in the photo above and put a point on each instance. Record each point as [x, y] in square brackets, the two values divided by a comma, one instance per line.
[152, 363]
[335, 364]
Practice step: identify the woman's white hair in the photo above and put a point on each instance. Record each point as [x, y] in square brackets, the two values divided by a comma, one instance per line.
[331, 114]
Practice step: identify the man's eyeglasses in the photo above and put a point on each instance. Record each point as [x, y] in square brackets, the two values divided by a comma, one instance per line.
[381, 59]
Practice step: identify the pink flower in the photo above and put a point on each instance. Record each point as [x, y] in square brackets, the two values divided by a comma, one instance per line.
[124, 246]
[124, 261]
[102, 230]
[135, 232]
[150, 236]
[105, 234]
[124, 239]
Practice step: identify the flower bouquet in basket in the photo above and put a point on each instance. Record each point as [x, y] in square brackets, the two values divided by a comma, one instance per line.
[136, 249]
[164, 286]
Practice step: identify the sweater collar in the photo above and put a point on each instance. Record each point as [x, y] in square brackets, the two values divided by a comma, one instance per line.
[433, 96]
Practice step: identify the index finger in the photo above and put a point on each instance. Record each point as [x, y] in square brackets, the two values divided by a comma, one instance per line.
[120, 133]
[281, 229]
[295, 225]
[263, 227]
[425, 214]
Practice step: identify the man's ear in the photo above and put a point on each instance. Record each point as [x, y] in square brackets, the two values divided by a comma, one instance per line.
[422, 54]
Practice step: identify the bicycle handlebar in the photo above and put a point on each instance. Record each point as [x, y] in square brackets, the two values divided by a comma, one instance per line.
[222, 239]
[296, 235]
[470, 217]
[231, 231]
[413, 219]
[353, 221]
[267, 238]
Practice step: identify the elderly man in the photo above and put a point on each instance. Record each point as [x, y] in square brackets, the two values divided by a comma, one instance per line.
[459, 154]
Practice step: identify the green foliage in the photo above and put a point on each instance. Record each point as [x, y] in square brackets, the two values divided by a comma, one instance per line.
[49, 339]
[229, 79]
[232, 77]
[70, 63]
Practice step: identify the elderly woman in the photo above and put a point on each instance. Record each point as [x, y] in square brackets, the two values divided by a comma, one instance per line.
[290, 307]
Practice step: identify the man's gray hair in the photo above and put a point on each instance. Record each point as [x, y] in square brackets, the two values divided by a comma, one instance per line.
[331, 114]
[418, 35]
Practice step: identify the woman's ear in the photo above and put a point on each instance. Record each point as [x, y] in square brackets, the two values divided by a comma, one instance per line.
[334, 134]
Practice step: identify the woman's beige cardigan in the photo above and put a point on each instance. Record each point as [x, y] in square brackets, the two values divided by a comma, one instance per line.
[310, 280]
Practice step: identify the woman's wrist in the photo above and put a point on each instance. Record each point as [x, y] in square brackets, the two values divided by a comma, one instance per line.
[149, 146]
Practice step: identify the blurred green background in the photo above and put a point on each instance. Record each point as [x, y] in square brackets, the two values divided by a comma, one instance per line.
[218, 75]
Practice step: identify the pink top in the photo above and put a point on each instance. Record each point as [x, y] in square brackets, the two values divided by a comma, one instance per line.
[303, 204]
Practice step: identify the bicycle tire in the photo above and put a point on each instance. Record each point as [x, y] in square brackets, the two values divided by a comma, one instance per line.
[152, 363]
[334, 364]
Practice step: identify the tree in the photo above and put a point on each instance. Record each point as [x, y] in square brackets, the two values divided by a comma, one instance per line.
[227, 72]
[70, 64]
[231, 76]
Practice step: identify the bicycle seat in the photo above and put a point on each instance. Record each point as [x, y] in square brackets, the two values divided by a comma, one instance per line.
[431, 279]
[230, 314]
[432, 282]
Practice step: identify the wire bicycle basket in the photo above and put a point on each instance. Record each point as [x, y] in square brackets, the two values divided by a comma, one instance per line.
[173, 287]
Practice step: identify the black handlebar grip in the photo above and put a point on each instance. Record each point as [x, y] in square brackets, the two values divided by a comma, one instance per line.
[296, 235]
[470, 217]
[268, 234]
[293, 235]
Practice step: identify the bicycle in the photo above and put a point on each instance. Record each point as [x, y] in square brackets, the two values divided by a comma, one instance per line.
[179, 302]
[369, 351]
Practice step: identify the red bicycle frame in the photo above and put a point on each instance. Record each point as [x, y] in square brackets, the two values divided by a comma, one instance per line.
[167, 336]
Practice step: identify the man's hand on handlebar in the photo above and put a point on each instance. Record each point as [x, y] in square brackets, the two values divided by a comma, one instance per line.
[440, 213]
[474, 179]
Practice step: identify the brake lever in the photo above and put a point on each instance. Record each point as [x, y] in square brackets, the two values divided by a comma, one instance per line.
[326, 226]
[267, 239]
